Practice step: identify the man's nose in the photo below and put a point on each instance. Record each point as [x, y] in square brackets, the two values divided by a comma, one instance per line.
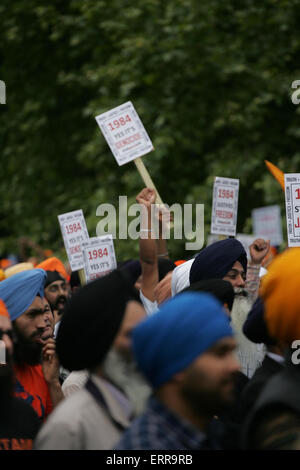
[41, 322]
[62, 291]
[234, 365]
[240, 281]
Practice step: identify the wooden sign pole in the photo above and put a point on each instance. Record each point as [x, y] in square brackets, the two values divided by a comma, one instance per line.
[149, 183]
[146, 177]
[82, 278]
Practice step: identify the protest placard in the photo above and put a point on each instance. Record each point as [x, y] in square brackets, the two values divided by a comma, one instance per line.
[267, 224]
[292, 202]
[124, 133]
[99, 257]
[128, 140]
[225, 206]
[74, 232]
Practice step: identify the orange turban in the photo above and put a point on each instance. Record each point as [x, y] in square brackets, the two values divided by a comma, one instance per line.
[3, 309]
[280, 290]
[179, 262]
[54, 264]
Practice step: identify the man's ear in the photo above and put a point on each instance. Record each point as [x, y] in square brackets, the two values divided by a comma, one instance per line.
[178, 378]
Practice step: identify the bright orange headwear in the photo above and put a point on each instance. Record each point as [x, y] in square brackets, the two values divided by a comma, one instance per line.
[280, 290]
[54, 264]
[179, 262]
[278, 174]
[3, 309]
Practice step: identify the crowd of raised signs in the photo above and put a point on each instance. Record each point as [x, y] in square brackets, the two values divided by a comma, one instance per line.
[158, 354]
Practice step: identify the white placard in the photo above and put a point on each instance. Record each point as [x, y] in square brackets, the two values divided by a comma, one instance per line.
[267, 224]
[246, 240]
[225, 206]
[74, 232]
[99, 257]
[124, 133]
[292, 202]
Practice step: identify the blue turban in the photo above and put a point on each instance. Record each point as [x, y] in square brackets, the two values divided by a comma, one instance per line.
[19, 291]
[217, 259]
[185, 327]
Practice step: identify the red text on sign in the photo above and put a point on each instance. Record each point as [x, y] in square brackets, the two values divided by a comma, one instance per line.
[119, 122]
[97, 253]
[73, 228]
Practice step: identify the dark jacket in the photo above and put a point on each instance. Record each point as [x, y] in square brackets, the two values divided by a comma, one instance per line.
[255, 385]
[274, 422]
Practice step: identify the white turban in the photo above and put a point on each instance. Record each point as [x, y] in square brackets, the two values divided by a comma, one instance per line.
[181, 277]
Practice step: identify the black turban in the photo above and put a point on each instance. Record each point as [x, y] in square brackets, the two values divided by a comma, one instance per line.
[255, 328]
[132, 268]
[217, 259]
[53, 276]
[222, 290]
[91, 321]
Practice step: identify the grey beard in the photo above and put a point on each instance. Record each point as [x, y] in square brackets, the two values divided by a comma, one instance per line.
[124, 374]
[250, 355]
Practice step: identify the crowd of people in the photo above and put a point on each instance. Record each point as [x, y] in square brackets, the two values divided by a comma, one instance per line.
[192, 354]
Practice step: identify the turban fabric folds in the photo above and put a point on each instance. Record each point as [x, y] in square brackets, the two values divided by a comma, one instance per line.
[19, 291]
[281, 296]
[217, 259]
[185, 327]
[92, 319]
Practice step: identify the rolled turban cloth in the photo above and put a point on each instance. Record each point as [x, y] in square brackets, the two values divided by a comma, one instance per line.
[183, 329]
[255, 328]
[217, 259]
[3, 309]
[92, 319]
[17, 268]
[221, 289]
[55, 270]
[280, 292]
[19, 291]
[180, 277]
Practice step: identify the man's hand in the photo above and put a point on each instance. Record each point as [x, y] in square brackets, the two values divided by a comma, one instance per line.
[258, 250]
[146, 197]
[50, 362]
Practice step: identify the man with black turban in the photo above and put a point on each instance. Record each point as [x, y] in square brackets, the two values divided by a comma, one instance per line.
[95, 416]
[227, 260]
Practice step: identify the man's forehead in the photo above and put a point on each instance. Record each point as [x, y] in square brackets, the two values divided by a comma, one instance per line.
[237, 265]
[56, 283]
[36, 304]
[228, 342]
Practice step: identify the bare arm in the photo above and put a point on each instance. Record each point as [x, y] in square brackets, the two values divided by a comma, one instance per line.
[148, 248]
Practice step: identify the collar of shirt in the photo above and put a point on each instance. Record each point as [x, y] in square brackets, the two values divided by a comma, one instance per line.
[185, 433]
[275, 357]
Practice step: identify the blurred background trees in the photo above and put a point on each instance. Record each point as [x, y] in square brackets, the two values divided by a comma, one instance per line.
[210, 80]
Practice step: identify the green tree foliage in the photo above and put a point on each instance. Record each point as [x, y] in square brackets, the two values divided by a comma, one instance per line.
[210, 80]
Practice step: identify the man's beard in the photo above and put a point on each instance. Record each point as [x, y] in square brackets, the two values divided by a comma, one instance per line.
[249, 354]
[26, 351]
[6, 379]
[123, 373]
[205, 400]
[54, 306]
